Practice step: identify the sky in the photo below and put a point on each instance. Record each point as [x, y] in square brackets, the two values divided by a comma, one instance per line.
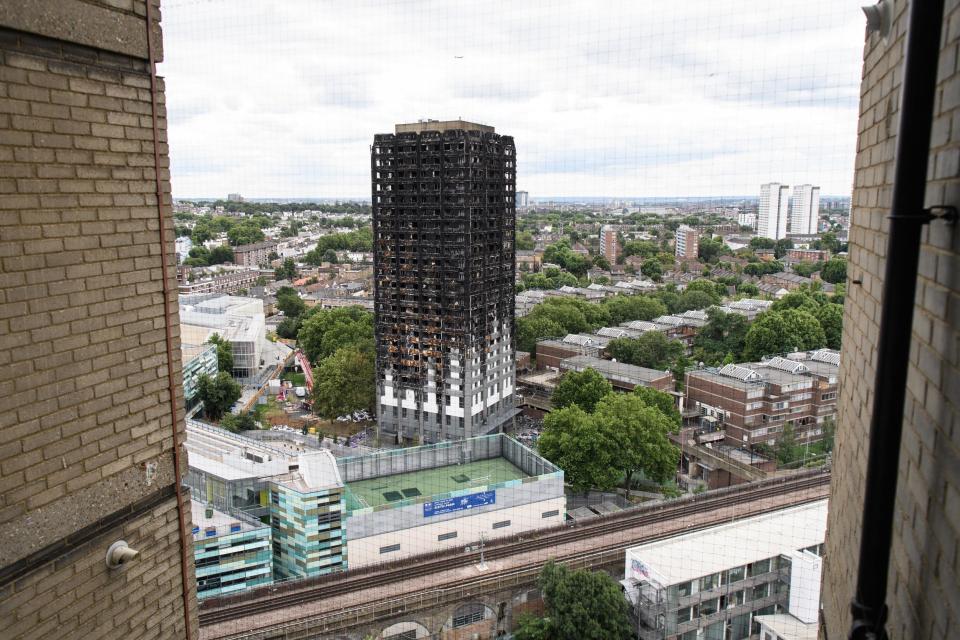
[640, 98]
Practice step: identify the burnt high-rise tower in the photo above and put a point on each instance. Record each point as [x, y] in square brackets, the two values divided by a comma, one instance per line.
[443, 224]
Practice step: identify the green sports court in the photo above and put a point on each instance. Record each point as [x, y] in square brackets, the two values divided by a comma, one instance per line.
[381, 490]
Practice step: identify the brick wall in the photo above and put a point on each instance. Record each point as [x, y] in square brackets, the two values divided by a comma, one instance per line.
[86, 437]
[924, 591]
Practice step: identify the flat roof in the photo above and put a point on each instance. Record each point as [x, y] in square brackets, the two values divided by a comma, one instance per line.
[614, 370]
[714, 549]
[223, 522]
[441, 125]
[374, 492]
[788, 627]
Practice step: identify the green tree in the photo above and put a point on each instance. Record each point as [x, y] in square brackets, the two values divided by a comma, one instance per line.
[807, 269]
[286, 271]
[781, 331]
[661, 401]
[224, 352]
[652, 350]
[572, 441]
[201, 232]
[828, 242]
[781, 247]
[724, 333]
[528, 627]
[218, 394]
[530, 330]
[640, 433]
[653, 269]
[327, 330]
[624, 308]
[584, 605]
[344, 383]
[221, 254]
[290, 303]
[834, 271]
[242, 422]
[245, 233]
[584, 388]
[690, 300]
[710, 249]
[330, 256]
[525, 241]
[787, 449]
[748, 289]
[288, 328]
[830, 317]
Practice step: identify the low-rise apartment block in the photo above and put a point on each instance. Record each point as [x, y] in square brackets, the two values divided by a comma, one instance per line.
[226, 282]
[754, 401]
[623, 377]
[725, 582]
[253, 255]
[231, 551]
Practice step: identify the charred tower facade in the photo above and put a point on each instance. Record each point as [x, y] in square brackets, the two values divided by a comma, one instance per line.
[443, 223]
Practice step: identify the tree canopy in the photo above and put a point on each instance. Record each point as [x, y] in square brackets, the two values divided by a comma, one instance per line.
[652, 350]
[776, 332]
[626, 308]
[344, 383]
[358, 240]
[326, 330]
[640, 433]
[218, 394]
[224, 352]
[584, 388]
[573, 441]
[661, 401]
[834, 271]
[583, 605]
[561, 254]
[245, 233]
[724, 333]
[289, 302]
[286, 271]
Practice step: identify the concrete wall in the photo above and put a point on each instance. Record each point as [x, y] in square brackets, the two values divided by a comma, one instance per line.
[86, 431]
[924, 585]
[422, 537]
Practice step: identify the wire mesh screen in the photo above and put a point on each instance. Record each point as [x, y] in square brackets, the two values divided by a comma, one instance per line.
[489, 305]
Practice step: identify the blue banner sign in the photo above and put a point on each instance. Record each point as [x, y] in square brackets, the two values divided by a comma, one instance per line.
[449, 505]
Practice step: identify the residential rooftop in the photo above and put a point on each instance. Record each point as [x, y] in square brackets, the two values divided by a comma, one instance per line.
[609, 369]
[381, 490]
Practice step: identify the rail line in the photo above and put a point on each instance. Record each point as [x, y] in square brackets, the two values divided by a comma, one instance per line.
[266, 599]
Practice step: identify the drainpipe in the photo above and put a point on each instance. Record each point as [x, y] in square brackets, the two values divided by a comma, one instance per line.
[907, 218]
[185, 544]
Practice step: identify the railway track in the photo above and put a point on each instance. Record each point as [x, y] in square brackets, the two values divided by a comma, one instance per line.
[266, 599]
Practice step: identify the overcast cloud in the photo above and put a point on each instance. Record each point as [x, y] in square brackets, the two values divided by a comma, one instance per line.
[633, 98]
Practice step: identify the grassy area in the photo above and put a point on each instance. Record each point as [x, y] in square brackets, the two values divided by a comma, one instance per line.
[262, 412]
[298, 379]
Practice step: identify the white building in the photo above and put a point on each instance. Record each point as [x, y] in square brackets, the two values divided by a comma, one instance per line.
[805, 209]
[238, 320]
[687, 241]
[747, 220]
[773, 211]
[720, 582]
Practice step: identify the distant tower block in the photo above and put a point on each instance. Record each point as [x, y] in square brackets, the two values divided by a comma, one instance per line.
[444, 212]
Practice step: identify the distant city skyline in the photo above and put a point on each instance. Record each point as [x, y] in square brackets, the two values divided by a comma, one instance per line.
[694, 98]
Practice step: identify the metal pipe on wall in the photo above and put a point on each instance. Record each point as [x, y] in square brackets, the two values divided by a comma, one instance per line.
[907, 218]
